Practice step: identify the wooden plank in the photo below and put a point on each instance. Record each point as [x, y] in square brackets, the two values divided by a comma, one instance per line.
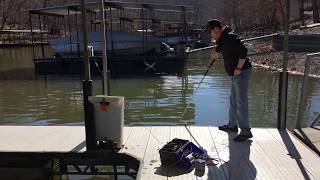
[137, 142]
[152, 168]
[299, 152]
[221, 150]
[265, 167]
[234, 155]
[312, 134]
[310, 137]
[272, 154]
[275, 152]
[40, 138]
[260, 165]
[317, 145]
[126, 134]
[203, 136]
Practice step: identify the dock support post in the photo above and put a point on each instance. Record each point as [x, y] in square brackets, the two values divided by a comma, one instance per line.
[69, 29]
[143, 29]
[146, 27]
[280, 96]
[183, 19]
[105, 79]
[111, 28]
[78, 46]
[32, 38]
[41, 37]
[284, 89]
[91, 141]
[302, 12]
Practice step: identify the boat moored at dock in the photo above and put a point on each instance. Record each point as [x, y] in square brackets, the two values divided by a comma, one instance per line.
[135, 38]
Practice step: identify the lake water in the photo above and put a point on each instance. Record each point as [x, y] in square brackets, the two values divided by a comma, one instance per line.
[28, 99]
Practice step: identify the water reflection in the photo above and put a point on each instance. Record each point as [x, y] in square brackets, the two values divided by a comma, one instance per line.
[40, 100]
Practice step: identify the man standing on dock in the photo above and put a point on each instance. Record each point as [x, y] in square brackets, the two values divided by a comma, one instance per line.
[237, 65]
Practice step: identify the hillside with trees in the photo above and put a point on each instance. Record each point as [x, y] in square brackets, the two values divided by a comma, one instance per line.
[241, 14]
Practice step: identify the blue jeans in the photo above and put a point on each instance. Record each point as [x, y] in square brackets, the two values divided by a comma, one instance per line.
[239, 111]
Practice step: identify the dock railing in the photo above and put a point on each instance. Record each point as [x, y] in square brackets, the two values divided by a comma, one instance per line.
[303, 91]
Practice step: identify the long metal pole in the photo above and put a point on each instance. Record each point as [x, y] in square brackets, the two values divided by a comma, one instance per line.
[285, 67]
[104, 50]
[302, 12]
[69, 29]
[32, 38]
[77, 26]
[111, 28]
[41, 38]
[146, 27]
[91, 141]
[143, 29]
[183, 21]
[85, 41]
[303, 90]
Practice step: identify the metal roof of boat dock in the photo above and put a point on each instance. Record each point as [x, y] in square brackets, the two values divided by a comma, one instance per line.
[13, 31]
[95, 7]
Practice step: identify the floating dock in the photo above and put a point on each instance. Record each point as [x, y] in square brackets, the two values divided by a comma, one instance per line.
[119, 66]
[272, 153]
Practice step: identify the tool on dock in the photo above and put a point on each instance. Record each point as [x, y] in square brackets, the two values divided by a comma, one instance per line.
[183, 152]
[191, 98]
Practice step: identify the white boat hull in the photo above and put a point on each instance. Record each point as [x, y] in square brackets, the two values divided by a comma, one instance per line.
[118, 42]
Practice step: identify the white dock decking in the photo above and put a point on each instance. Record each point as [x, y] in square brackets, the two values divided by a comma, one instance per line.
[272, 154]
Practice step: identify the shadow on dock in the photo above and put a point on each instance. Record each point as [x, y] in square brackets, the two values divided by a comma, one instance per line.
[310, 137]
[239, 164]
[294, 153]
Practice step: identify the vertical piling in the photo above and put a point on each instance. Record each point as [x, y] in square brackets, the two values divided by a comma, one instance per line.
[32, 37]
[284, 90]
[41, 37]
[104, 50]
[87, 86]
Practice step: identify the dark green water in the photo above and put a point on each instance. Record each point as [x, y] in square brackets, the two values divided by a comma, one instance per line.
[27, 99]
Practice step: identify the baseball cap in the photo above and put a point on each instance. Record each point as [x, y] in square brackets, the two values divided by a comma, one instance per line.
[211, 24]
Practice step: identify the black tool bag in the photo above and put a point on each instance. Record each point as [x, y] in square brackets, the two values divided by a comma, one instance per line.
[179, 152]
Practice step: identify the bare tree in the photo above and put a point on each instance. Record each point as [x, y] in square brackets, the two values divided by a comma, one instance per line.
[11, 12]
[315, 8]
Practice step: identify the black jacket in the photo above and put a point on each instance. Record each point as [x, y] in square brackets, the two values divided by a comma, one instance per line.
[232, 49]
